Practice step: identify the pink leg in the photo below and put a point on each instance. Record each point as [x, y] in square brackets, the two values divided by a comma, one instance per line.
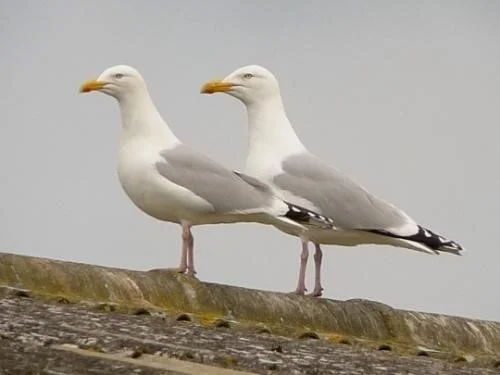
[301, 285]
[186, 251]
[187, 237]
[183, 265]
[318, 256]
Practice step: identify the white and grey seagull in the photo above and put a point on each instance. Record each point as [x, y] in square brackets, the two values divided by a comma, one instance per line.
[277, 156]
[172, 182]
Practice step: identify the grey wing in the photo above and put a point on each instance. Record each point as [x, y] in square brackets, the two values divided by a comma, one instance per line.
[223, 189]
[256, 183]
[295, 212]
[336, 196]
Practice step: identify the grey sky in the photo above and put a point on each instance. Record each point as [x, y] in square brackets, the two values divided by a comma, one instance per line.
[402, 95]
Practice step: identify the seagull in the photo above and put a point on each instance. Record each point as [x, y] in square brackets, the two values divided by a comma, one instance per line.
[171, 182]
[277, 157]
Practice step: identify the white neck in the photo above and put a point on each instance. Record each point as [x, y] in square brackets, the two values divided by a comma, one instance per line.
[271, 136]
[141, 119]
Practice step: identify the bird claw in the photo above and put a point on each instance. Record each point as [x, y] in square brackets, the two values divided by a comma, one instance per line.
[299, 291]
[191, 272]
[179, 269]
[316, 292]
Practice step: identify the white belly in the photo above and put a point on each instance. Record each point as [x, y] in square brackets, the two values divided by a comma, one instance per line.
[328, 236]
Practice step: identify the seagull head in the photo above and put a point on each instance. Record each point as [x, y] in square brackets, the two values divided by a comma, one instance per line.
[249, 84]
[117, 81]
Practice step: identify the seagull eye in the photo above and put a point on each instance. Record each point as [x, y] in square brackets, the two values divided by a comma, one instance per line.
[248, 75]
[119, 75]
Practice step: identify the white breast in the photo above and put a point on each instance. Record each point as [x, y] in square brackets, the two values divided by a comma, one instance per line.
[151, 192]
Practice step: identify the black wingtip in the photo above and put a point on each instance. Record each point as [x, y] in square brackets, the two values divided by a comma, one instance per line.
[454, 252]
[296, 214]
[305, 216]
[453, 248]
[428, 238]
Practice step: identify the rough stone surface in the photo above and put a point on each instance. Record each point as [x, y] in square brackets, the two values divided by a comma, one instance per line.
[33, 334]
[166, 290]
[68, 318]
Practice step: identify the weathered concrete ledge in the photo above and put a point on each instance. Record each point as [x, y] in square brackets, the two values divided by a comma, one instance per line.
[165, 290]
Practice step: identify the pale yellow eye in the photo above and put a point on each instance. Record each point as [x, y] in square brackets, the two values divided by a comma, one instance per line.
[248, 75]
[119, 75]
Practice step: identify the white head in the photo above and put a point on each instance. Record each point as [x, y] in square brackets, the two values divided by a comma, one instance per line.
[119, 81]
[249, 84]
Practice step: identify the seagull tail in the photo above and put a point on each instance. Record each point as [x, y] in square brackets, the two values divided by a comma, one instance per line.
[428, 239]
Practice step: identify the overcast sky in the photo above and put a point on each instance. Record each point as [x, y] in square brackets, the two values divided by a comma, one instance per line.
[402, 95]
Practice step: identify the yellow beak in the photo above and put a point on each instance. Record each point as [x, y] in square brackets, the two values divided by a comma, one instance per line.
[216, 85]
[91, 85]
